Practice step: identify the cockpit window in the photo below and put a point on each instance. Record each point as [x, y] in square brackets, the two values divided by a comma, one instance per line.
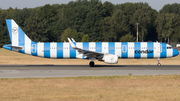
[169, 47]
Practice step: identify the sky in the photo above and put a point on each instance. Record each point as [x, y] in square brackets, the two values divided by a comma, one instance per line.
[20, 4]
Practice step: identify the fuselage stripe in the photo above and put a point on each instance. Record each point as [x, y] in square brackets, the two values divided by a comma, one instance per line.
[111, 48]
[85, 47]
[98, 46]
[150, 46]
[163, 50]
[59, 50]
[137, 50]
[47, 50]
[72, 52]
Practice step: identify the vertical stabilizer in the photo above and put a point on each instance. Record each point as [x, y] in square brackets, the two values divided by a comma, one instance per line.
[16, 34]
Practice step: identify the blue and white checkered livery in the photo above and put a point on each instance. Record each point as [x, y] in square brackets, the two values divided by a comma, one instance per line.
[109, 52]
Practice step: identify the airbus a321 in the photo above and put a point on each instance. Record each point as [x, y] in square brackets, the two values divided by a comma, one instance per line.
[108, 52]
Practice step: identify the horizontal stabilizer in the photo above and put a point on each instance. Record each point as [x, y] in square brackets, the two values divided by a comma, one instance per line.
[16, 47]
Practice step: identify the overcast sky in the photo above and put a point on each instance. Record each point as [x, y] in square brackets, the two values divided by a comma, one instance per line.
[5, 4]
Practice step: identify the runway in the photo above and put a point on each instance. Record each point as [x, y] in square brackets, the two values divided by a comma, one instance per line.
[36, 71]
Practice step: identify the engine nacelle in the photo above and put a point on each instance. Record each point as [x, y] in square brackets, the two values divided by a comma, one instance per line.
[110, 58]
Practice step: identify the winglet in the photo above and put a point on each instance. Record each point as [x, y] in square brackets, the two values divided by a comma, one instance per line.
[72, 44]
[73, 40]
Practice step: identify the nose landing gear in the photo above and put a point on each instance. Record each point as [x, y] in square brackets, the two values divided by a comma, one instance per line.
[159, 64]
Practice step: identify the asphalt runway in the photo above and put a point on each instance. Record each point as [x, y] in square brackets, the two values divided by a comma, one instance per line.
[37, 71]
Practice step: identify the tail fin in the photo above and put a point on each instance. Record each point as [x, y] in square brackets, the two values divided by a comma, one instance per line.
[16, 34]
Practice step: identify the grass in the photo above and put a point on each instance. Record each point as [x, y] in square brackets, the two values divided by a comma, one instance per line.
[105, 88]
[10, 57]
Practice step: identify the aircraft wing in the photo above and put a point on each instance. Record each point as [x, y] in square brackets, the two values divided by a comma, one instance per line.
[88, 53]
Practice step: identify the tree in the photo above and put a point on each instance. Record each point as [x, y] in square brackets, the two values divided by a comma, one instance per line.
[109, 8]
[4, 35]
[48, 16]
[81, 19]
[144, 18]
[85, 38]
[61, 25]
[120, 23]
[93, 18]
[127, 38]
[171, 8]
[71, 33]
[160, 22]
[34, 28]
[107, 30]
[166, 25]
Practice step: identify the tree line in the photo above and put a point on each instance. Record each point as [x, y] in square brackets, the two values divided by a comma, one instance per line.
[92, 20]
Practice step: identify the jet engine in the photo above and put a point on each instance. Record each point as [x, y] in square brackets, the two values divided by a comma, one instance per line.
[110, 58]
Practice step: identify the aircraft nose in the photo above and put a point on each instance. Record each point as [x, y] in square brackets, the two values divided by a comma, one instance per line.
[175, 52]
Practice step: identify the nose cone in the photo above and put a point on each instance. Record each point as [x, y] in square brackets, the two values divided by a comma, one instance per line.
[175, 52]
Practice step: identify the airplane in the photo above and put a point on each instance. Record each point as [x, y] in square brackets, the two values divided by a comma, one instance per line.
[108, 52]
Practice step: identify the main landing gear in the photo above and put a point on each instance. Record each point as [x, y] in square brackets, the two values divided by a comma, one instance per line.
[159, 64]
[91, 64]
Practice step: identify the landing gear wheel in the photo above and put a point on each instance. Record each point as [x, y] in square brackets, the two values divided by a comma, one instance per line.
[91, 64]
[158, 64]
